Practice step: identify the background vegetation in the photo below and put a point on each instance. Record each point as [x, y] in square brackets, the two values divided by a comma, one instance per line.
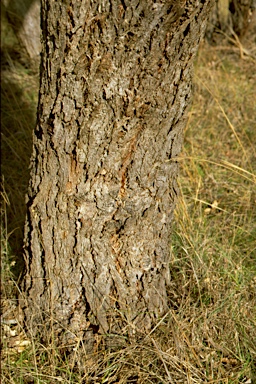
[209, 334]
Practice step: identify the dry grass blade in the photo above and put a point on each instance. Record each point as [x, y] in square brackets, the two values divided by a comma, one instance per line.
[225, 115]
[222, 163]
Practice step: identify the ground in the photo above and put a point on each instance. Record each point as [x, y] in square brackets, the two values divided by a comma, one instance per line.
[209, 332]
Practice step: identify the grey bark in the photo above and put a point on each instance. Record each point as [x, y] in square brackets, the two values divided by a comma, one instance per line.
[115, 87]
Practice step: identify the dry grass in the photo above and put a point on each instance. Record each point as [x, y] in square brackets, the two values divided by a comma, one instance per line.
[209, 334]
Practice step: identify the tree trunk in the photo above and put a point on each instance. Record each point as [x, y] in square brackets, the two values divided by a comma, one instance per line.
[115, 86]
[231, 16]
[24, 17]
[242, 12]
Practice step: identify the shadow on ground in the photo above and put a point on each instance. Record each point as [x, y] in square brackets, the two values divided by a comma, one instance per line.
[18, 118]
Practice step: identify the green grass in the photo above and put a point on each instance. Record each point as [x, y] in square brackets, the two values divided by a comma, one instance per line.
[209, 334]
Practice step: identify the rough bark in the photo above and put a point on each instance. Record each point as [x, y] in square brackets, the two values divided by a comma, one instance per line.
[115, 86]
